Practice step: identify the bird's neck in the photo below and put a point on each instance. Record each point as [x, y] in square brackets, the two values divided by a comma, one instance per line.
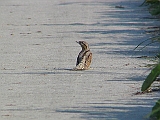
[85, 49]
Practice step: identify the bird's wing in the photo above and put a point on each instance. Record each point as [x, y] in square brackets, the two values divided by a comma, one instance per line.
[83, 62]
[79, 58]
[88, 59]
[78, 61]
[80, 65]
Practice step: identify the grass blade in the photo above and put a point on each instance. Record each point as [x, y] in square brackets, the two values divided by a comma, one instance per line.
[151, 78]
[152, 38]
[156, 110]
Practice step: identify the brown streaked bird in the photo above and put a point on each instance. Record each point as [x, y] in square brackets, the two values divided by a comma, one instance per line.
[84, 58]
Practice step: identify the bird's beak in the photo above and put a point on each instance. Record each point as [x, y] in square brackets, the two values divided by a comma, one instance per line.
[77, 42]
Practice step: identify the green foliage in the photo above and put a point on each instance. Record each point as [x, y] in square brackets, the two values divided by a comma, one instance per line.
[151, 1]
[155, 72]
[156, 111]
[151, 78]
[154, 6]
[147, 2]
[155, 9]
[152, 40]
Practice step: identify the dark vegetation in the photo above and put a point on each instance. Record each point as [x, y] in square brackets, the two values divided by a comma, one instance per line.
[154, 9]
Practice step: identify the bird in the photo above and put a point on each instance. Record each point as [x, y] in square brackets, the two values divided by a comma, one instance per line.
[84, 58]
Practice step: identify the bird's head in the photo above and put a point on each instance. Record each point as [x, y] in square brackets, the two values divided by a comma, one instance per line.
[83, 44]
